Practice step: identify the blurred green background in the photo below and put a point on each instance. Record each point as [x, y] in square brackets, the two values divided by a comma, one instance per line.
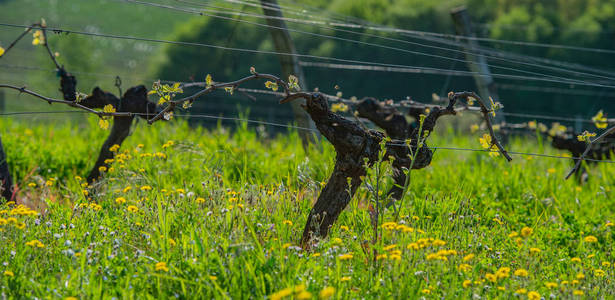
[97, 60]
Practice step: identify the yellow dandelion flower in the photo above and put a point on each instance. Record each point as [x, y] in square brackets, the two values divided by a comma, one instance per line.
[468, 257]
[281, 294]
[606, 264]
[161, 266]
[503, 272]
[132, 208]
[521, 291]
[303, 295]
[120, 200]
[533, 295]
[345, 278]
[35, 243]
[466, 283]
[287, 222]
[315, 254]
[521, 273]
[438, 243]
[346, 256]
[390, 247]
[550, 285]
[381, 256]
[534, 251]
[578, 293]
[464, 268]
[575, 259]
[491, 277]
[345, 228]
[580, 276]
[395, 257]
[8, 273]
[326, 293]
[526, 231]
[590, 239]
[599, 272]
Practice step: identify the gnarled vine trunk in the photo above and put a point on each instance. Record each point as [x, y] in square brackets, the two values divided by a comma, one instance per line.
[134, 101]
[6, 182]
[353, 144]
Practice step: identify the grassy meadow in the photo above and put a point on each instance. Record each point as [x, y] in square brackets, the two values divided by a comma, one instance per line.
[216, 214]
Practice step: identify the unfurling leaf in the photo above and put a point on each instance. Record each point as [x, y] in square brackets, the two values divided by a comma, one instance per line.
[1, 51]
[557, 129]
[176, 88]
[164, 99]
[229, 89]
[494, 106]
[168, 115]
[187, 104]
[79, 96]
[293, 82]
[585, 136]
[271, 85]
[600, 121]
[208, 81]
[339, 107]
[252, 70]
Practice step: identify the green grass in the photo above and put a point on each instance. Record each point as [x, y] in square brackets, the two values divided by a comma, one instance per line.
[237, 241]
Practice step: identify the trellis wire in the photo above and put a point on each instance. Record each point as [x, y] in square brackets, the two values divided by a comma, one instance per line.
[489, 54]
[202, 13]
[468, 73]
[395, 104]
[203, 116]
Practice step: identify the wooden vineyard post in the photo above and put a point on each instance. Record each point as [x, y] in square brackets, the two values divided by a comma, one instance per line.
[289, 65]
[476, 61]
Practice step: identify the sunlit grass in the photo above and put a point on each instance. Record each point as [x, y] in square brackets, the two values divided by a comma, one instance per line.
[185, 212]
